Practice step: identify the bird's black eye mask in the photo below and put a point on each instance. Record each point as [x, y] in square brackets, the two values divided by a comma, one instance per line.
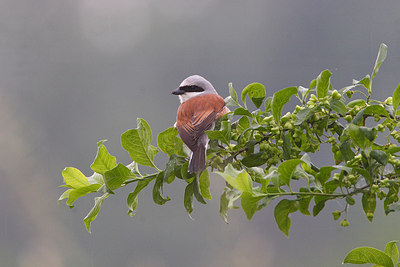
[187, 88]
[191, 88]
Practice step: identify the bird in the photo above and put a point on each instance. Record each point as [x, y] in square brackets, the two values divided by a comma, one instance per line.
[200, 107]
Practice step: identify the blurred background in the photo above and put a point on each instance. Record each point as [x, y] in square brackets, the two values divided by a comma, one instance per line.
[75, 72]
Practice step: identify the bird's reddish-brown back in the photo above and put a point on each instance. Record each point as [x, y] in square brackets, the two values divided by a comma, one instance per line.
[198, 108]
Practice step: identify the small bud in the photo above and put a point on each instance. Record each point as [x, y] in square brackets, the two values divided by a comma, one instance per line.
[349, 94]
[380, 127]
[344, 223]
[336, 95]
[336, 215]
[331, 139]
[348, 118]
[370, 216]
[275, 130]
[288, 126]
[374, 188]
[381, 194]
[336, 176]
[298, 108]
[388, 101]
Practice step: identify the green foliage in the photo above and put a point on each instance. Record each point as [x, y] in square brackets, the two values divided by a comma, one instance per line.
[256, 92]
[364, 255]
[138, 143]
[323, 84]
[263, 155]
[279, 99]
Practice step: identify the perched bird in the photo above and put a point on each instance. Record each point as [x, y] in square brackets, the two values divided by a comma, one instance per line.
[200, 107]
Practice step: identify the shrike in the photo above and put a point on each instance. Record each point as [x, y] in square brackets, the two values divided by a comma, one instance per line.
[200, 107]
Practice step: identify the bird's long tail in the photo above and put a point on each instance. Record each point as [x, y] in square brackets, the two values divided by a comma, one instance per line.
[198, 160]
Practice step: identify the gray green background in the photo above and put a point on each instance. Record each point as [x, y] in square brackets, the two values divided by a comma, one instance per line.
[75, 72]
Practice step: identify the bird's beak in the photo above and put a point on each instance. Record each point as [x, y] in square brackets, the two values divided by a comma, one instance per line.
[178, 91]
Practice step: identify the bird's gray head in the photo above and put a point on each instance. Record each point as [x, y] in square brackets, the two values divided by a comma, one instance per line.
[193, 86]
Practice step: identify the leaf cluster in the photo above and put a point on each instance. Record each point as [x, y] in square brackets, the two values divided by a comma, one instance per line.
[265, 156]
[363, 255]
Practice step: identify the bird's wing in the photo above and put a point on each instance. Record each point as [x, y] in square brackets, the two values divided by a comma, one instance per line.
[196, 115]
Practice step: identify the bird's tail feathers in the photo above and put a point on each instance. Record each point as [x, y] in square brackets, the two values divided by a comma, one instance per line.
[198, 160]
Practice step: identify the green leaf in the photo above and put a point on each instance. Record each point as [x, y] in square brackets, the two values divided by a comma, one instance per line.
[242, 112]
[250, 204]
[169, 143]
[188, 198]
[184, 171]
[380, 156]
[132, 199]
[175, 162]
[303, 115]
[356, 135]
[98, 201]
[379, 59]
[279, 99]
[64, 195]
[265, 202]
[356, 102]
[256, 92]
[74, 178]
[254, 160]
[196, 191]
[324, 174]
[369, 204]
[304, 202]
[345, 148]
[303, 91]
[229, 102]
[396, 97]
[268, 104]
[282, 211]
[369, 133]
[231, 175]
[363, 255]
[274, 177]
[233, 93]
[96, 178]
[366, 82]
[226, 202]
[395, 207]
[286, 170]
[103, 161]
[392, 250]
[137, 143]
[117, 176]
[338, 107]
[244, 182]
[243, 124]
[204, 181]
[287, 148]
[323, 83]
[370, 110]
[224, 134]
[74, 194]
[319, 204]
[350, 200]
[364, 173]
[376, 110]
[157, 189]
